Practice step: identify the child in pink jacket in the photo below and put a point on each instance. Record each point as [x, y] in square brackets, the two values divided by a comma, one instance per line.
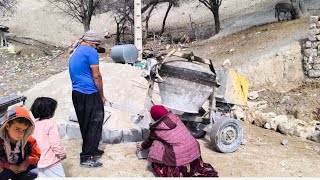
[47, 135]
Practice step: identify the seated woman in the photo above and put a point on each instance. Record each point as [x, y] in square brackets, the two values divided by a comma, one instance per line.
[174, 152]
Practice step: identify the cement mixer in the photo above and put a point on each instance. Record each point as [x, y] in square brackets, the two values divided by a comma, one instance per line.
[189, 87]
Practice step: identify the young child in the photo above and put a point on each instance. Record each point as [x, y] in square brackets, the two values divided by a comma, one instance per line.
[48, 138]
[19, 152]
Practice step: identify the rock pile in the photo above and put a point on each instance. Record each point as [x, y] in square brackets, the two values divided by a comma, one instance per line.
[285, 124]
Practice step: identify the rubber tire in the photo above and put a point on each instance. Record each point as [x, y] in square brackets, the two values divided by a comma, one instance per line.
[195, 133]
[216, 136]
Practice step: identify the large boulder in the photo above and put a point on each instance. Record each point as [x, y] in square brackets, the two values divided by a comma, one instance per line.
[274, 122]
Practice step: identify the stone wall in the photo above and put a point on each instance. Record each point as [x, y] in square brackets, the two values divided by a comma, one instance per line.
[311, 49]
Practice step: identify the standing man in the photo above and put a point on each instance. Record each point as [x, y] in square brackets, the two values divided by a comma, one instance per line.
[87, 96]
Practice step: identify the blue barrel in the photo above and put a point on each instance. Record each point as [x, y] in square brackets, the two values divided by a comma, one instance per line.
[125, 53]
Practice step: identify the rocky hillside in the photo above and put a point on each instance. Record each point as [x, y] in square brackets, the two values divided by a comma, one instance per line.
[40, 20]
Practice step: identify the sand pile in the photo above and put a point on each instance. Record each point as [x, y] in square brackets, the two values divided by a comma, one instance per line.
[123, 84]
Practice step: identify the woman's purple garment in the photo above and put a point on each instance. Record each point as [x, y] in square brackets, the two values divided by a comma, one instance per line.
[171, 143]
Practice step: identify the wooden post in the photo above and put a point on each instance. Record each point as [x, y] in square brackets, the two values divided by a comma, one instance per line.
[138, 28]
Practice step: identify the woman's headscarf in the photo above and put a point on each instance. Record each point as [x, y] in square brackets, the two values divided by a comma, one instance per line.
[158, 111]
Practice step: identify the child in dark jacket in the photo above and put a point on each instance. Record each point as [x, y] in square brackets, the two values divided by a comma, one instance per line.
[19, 152]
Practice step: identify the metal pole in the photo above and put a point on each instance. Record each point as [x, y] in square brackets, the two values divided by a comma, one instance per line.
[1, 38]
[138, 28]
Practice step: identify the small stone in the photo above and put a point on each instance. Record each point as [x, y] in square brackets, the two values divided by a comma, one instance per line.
[312, 26]
[285, 99]
[316, 60]
[315, 136]
[283, 164]
[307, 67]
[285, 142]
[310, 59]
[267, 125]
[143, 154]
[312, 37]
[239, 115]
[315, 45]
[316, 66]
[310, 52]
[314, 73]
[262, 105]
[305, 59]
[231, 50]
[308, 44]
[244, 142]
[314, 31]
[313, 19]
[253, 95]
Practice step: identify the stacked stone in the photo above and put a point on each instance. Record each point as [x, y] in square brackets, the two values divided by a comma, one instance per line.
[311, 50]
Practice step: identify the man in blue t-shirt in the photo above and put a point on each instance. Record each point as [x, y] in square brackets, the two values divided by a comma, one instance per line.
[87, 96]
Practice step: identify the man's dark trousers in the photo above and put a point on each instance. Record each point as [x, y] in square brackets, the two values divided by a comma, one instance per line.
[90, 114]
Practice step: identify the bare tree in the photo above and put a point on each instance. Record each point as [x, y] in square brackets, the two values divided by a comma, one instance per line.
[82, 10]
[120, 28]
[123, 15]
[146, 28]
[213, 6]
[8, 5]
[123, 12]
[165, 18]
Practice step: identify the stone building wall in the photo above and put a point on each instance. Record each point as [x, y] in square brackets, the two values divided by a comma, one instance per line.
[311, 49]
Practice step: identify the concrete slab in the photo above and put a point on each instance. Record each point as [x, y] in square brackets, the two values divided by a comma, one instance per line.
[73, 132]
[112, 136]
[145, 133]
[62, 130]
[132, 135]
